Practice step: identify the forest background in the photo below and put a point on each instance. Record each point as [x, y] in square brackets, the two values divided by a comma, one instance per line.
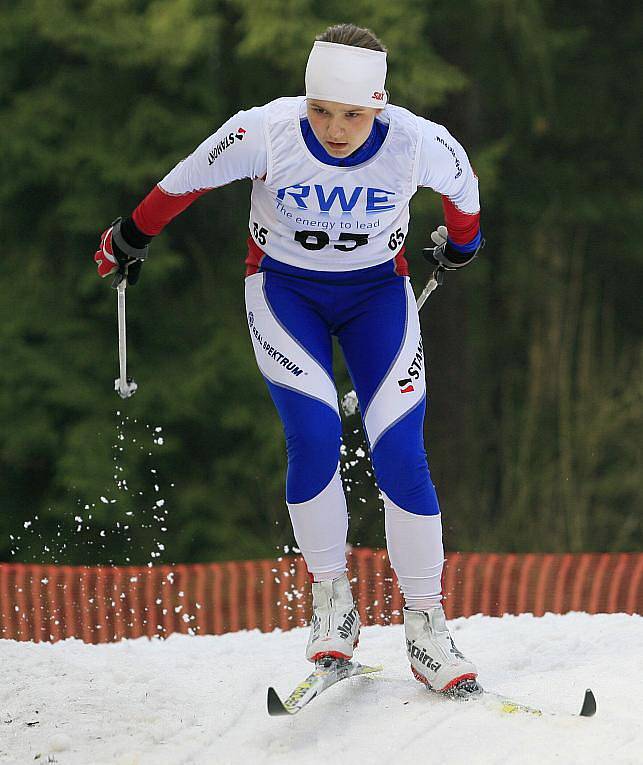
[533, 353]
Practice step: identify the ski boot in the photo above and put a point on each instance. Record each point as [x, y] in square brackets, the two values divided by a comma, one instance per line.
[435, 660]
[334, 628]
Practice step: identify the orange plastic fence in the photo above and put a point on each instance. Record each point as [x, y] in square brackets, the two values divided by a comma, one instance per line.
[100, 604]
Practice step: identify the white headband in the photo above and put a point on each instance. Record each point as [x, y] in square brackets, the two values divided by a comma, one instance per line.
[346, 74]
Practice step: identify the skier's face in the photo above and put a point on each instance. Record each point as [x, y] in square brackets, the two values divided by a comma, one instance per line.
[340, 128]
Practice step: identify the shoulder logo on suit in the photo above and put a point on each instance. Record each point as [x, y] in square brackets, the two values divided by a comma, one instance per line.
[224, 143]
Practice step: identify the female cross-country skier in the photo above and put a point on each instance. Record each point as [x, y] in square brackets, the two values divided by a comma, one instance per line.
[332, 175]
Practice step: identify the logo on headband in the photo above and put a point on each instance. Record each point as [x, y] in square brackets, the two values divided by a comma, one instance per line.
[378, 95]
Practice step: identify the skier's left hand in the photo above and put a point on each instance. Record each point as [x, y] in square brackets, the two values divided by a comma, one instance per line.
[445, 255]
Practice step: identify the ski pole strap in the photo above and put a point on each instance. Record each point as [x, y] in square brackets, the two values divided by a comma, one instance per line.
[448, 257]
[136, 253]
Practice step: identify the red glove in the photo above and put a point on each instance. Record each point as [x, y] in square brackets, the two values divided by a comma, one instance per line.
[107, 263]
[116, 256]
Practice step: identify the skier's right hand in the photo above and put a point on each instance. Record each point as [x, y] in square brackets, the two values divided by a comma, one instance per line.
[116, 256]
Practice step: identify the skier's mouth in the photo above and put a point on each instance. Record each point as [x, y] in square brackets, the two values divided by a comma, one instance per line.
[337, 146]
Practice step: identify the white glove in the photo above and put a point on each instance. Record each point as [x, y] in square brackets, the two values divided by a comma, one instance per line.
[439, 236]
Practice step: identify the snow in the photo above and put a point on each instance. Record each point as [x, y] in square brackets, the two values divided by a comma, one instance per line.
[202, 700]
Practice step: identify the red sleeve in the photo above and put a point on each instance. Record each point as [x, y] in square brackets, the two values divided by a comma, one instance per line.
[159, 208]
[462, 227]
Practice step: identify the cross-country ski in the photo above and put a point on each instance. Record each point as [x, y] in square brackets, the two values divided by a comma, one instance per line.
[328, 672]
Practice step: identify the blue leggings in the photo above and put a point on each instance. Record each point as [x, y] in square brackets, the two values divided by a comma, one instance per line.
[293, 314]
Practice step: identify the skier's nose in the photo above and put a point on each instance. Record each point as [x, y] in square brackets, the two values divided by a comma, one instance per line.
[335, 130]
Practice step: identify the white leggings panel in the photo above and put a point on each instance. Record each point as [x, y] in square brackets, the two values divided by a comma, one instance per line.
[321, 527]
[388, 406]
[282, 359]
[416, 553]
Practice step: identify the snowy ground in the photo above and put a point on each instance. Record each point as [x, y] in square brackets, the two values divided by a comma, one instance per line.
[202, 700]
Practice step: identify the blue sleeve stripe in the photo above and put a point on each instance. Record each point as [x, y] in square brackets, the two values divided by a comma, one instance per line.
[471, 246]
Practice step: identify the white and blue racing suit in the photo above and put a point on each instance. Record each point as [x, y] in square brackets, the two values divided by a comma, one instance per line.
[326, 259]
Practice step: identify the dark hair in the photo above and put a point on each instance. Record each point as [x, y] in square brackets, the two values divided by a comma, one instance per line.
[349, 34]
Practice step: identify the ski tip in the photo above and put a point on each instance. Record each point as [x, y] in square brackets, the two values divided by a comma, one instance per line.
[276, 706]
[589, 704]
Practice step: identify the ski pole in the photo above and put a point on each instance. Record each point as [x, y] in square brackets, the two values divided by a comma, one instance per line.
[123, 385]
[437, 277]
[349, 401]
